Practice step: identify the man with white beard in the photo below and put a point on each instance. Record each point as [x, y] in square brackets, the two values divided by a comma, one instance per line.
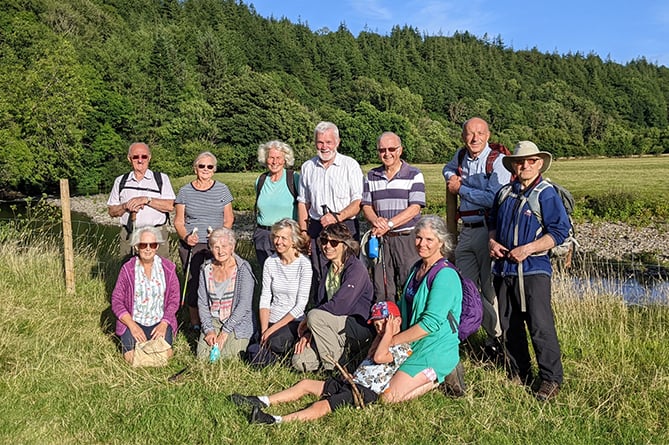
[330, 191]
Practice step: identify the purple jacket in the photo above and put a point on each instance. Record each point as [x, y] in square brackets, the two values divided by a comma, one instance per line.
[123, 296]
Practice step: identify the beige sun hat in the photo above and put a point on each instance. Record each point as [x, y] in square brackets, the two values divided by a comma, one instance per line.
[526, 149]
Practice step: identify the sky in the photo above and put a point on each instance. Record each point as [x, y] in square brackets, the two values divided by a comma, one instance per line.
[620, 30]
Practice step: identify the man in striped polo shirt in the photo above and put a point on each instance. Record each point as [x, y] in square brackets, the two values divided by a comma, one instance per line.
[392, 198]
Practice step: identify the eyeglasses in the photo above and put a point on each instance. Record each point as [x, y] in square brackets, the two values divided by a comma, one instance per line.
[530, 161]
[202, 166]
[389, 149]
[136, 157]
[142, 246]
[333, 242]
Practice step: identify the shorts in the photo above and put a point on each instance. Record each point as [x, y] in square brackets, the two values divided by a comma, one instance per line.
[339, 392]
[128, 341]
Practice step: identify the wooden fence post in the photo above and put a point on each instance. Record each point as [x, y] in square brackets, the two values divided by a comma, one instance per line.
[68, 248]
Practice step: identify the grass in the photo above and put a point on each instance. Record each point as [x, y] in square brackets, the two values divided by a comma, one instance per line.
[63, 381]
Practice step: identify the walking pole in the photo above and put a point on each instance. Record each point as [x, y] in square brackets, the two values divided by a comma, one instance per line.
[190, 256]
[382, 258]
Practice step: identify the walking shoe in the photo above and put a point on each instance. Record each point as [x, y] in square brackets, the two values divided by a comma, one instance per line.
[492, 350]
[259, 416]
[241, 400]
[454, 383]
[547, 391]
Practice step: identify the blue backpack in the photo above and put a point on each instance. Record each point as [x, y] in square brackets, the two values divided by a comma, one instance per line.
[472, 306]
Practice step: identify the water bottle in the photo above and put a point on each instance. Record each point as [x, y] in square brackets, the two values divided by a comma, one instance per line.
[215, 353]
[373, 247]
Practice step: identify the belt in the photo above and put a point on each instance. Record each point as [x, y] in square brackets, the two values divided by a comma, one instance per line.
[474, 225]
[264, 227]
[402, 233]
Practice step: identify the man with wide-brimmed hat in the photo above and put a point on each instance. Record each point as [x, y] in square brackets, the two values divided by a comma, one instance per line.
[519, 244]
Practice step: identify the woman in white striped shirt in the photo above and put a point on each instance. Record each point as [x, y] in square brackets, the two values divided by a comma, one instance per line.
[285, 291]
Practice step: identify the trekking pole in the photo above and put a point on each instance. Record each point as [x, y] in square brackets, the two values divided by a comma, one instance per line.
[190, 256]
[382, 258]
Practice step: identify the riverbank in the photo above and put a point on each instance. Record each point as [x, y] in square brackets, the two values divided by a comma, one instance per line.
[606, 240]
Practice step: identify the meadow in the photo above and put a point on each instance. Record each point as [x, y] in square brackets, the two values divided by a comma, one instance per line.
[62, 379]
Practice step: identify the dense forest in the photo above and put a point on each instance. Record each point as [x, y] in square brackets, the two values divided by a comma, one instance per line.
[81, 79]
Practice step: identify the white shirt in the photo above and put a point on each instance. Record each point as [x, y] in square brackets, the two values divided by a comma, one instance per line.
[148, 216]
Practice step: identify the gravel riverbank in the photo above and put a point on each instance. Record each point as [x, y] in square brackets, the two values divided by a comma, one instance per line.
[606, 240]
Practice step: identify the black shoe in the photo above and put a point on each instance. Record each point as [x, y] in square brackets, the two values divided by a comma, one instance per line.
[241, 400]
[454, 383]
[493, 350]
[259, 416]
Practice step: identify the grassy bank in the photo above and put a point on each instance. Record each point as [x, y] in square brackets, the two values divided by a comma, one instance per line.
[63, 380]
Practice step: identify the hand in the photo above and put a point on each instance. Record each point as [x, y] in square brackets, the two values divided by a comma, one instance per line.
[303, 342]
[453, 185]
[328, 219]
[222, 337]
[137, 333]
[497, 250]
[302, 328]
[380, 227]
[210, 338]
[135, 204]
[267, 333]
[192, 239]
[520, 253]
[159, 331]
[394, 324]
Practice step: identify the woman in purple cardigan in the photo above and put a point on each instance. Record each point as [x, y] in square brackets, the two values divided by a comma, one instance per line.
[146, 296]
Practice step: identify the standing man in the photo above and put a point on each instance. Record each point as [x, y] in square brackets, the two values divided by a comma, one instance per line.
[392, 197]
[519, 243]
[476, 180]
[330, 191]
[141, 198]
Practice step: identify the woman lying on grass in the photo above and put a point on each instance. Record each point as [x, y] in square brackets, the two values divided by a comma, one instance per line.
[370, 379]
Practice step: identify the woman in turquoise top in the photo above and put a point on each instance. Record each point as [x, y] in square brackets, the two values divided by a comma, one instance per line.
[425, 317]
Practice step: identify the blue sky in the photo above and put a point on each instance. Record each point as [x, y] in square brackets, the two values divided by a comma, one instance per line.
[620, 29]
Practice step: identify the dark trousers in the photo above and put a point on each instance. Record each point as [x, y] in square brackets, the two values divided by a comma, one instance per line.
[540, 323]
[200, 253]
[262, 241]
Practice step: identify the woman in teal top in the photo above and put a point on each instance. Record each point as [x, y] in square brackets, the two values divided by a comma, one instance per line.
[425, 311]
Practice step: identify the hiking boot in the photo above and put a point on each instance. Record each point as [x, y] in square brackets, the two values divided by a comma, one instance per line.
[454, 383]
[259, 416]
[547, 391]
[241, 400]
[493, 350]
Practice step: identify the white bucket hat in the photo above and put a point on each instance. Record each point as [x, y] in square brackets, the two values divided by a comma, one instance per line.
[526, 149]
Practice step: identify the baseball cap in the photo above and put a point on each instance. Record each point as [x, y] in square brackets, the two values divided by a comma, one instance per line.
[383, 309]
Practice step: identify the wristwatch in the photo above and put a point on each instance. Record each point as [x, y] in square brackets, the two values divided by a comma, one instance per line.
[391, 224]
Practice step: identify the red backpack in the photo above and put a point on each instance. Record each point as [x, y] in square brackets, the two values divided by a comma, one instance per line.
[496, 150]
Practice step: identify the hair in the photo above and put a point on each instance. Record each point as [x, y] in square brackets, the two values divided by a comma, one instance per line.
[388, 133]
[288, 154]
[295, 234]
[137, 234]
[324, 126]
[223, 233]
[134, 144]
[340, 232]
[438, 226]
[205, 154]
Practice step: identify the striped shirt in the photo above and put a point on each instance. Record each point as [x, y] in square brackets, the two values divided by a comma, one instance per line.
[390, 197]
[204, 208]
[285, 287]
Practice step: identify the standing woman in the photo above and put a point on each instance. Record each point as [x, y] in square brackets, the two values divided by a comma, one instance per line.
[276, 192]
[425, 312]
[146, 296]
[286, 282]
[225, 294]
[200, 204]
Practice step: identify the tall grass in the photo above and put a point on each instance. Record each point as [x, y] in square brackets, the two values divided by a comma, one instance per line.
[63, 381]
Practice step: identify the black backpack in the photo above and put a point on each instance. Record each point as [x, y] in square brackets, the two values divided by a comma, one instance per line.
[159, 182]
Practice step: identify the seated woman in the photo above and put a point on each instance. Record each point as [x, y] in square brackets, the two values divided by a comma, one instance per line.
[146, 296]
[286, 281]
[337, 323]
[425, 322]
[225, 294]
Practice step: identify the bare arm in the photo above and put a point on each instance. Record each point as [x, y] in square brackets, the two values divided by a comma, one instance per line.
[228, 216]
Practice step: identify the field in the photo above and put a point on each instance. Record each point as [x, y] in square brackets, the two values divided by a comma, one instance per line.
[62, 379]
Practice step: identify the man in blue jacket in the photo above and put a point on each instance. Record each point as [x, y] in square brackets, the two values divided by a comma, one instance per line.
[519, 244]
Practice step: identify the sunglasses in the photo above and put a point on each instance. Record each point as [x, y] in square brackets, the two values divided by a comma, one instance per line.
[142, 246]
[530, 161]
[333, 242]
[203, 166]
[136, 157]
[389, 149]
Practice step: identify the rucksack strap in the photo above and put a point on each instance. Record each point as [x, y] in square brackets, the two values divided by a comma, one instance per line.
[290, 183]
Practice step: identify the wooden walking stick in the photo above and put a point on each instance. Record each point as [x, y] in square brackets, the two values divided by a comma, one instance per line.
[357, 397]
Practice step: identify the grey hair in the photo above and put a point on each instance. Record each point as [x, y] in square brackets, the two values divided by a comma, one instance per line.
[295, 233]
[388, 133]
[288, 154]
[137, 234]
[205, 154]
[223, 233]
[324, 126]
[134, 144]
[438, 226]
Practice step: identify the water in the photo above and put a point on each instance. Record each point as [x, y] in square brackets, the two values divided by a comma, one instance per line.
[630, 289]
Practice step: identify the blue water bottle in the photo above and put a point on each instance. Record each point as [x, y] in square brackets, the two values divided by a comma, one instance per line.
[215, 353]
[373, 247]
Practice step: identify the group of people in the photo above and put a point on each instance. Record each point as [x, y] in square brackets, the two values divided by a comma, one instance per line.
[320, 301]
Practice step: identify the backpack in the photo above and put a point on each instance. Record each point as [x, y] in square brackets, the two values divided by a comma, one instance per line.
[567, 199]
[290, 182]
[159, 182]
[472, 305]
[496, 150]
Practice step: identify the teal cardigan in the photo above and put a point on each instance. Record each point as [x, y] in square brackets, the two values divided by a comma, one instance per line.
[439, 348]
